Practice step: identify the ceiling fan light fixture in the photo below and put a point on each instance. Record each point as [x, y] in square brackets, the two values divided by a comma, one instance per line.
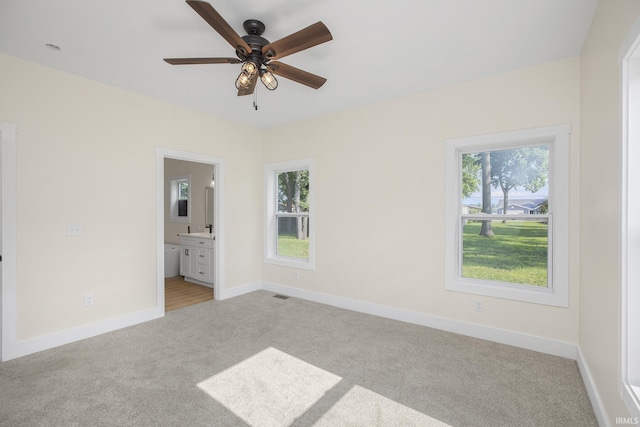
[269, 80]
[250, 68]
[243, 81]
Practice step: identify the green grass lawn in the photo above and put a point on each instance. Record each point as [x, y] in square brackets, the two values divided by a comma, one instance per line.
[516, 254]
[289, 245]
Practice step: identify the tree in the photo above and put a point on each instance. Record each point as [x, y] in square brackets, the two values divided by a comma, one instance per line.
[476, 171]
[293, 191]
[485, 163]
[519, 167]
[470, 174]
[543, 208]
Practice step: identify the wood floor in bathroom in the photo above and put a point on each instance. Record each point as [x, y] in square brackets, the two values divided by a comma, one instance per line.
[179, 293]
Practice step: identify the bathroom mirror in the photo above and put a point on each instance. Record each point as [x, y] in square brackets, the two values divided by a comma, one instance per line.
[208, 206]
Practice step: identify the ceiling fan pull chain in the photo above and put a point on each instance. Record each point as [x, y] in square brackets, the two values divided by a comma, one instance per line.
[255, 99]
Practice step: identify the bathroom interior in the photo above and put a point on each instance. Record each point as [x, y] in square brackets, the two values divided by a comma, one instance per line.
[188, 232]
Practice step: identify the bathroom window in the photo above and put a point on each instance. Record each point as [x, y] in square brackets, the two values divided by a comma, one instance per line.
[180, 199]
[289, 216]
[507, 215]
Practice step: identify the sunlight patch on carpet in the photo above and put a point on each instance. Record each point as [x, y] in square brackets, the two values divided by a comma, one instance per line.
[362, 407]
[270, 388]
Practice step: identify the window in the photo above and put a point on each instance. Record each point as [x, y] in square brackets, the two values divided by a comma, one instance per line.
[629, 366]
[507, 215]
[180, 200]
[289, 236]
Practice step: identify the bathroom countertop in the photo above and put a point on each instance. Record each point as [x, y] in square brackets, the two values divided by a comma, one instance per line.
[204, 235]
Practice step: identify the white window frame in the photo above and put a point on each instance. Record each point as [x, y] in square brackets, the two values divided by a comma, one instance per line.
[174, 194]
[629, 300]
[557, 138]
[271, 172]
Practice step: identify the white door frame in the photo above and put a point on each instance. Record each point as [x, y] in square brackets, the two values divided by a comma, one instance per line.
[218, 216]
[8, 132]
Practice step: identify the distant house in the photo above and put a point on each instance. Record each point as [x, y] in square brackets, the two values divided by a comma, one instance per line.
[471, 209]
[521, 206]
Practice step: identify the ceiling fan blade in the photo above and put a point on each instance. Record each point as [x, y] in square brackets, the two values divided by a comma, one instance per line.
[209, 14]
[313, 35]
[251, 88]
[296, 74]
[186, 61]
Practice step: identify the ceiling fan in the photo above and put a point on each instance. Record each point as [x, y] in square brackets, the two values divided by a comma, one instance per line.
[256, 54]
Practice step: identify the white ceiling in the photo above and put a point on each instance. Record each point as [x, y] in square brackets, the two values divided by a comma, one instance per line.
[380, 50]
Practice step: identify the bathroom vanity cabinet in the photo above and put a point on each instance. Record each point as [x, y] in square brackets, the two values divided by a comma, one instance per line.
[196, 259]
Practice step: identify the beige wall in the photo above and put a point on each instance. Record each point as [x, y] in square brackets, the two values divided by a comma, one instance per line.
[201, 174]
[600, 250]
[380, 194]
[87, 154]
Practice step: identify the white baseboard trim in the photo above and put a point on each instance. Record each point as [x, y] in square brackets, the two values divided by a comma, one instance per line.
[55, 339]
[592, 391]
[239, 290]
[529, 342]
[45, 342]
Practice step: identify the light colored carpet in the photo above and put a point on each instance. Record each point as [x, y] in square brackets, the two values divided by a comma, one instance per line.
[257, 360]
[362, 408]
[270, 389]
[273, 389]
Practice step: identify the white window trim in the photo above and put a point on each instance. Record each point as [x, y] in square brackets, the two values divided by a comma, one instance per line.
[173, 199]
[558, 139]
[271, 171]
[629, 300]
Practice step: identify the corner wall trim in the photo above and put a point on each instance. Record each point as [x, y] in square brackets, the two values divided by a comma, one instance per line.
[592, 391]
[516, 339]
[239, 290]
[8, 193]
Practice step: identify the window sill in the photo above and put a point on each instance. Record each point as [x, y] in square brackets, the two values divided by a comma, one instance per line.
[514, 292]
[290, 262]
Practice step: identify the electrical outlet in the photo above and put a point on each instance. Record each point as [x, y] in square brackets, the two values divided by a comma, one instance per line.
[74, 229]
[88, 300]
[478, 305]
[296, 275]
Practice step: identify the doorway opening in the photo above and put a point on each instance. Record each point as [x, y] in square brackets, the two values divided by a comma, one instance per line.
[217, 223]
[180, 293]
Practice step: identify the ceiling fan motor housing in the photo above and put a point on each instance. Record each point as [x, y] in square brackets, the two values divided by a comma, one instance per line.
[254, 29]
